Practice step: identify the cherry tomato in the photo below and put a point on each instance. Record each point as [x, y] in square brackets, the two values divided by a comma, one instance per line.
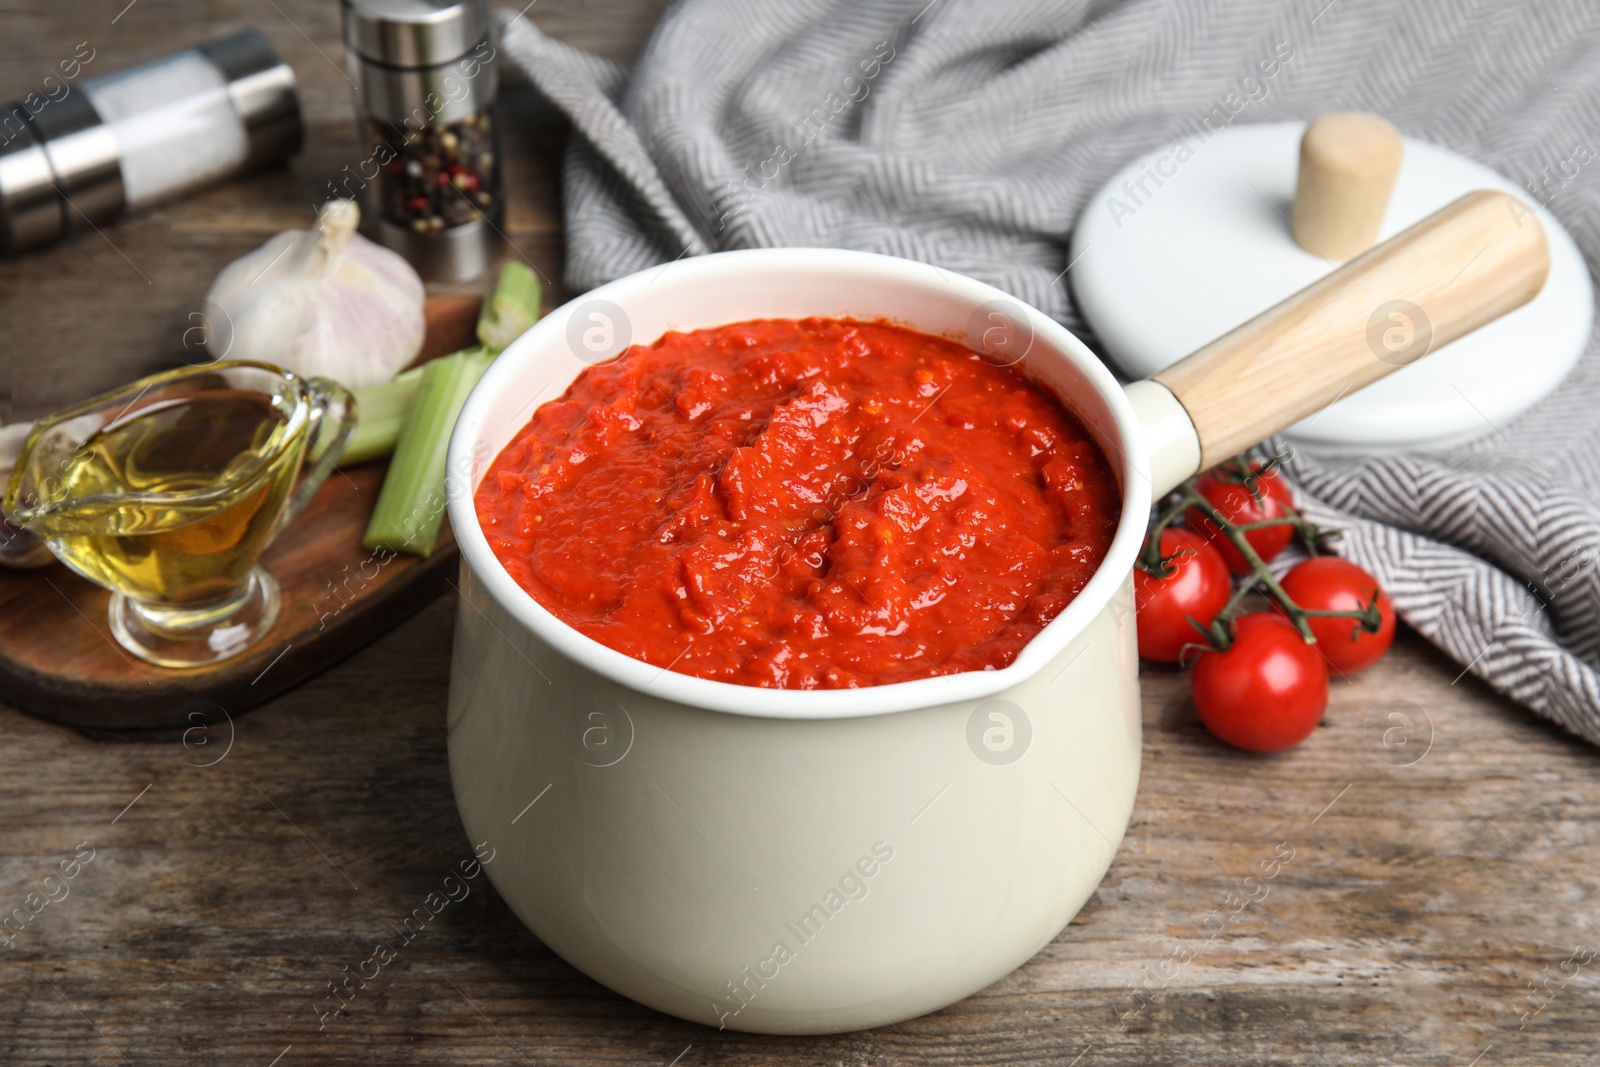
[1198, 587]
[1239, 506]
[1328, 583]
[1268, 691]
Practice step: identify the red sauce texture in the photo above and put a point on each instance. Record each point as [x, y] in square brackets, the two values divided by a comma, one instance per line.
[803, 504]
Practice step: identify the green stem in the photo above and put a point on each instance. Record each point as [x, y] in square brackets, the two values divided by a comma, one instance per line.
[1258, 567]
[1150, 558]
[1219, 635]
[1369, 616]
[1240, 469]
[1242, 590]
[1262, 524]
[510, 308]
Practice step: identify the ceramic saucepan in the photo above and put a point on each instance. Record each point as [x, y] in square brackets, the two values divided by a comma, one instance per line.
[788, 861]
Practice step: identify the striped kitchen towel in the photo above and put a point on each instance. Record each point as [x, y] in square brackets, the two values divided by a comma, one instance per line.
[969, 134]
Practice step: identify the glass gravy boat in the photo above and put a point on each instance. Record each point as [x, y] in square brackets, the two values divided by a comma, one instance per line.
[168, 490]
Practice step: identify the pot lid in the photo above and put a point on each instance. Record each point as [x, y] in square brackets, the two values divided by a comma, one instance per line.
[1193, 238]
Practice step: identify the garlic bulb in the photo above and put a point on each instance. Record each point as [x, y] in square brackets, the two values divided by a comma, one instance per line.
[325, 301]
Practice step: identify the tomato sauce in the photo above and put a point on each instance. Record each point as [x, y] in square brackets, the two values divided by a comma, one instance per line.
[802, 504]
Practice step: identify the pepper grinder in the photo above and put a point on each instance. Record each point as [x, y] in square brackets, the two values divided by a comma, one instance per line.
[425, 79]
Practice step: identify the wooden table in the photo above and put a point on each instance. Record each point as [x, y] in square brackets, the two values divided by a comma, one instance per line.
[239, 869]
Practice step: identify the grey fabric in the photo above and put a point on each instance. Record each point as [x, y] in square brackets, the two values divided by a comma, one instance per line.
[969, 133]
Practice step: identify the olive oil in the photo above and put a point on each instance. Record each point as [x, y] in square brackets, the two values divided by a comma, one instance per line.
[175, 501]
[168, 490]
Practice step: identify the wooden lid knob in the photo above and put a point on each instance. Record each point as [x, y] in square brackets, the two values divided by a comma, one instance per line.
[1348, 163]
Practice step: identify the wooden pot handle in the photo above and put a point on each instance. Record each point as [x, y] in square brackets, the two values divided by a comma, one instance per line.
[1461, 267]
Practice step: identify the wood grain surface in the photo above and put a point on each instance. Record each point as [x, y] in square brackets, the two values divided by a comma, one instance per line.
[1434, 913]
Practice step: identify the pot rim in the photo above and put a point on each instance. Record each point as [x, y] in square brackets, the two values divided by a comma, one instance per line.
[1051, 339]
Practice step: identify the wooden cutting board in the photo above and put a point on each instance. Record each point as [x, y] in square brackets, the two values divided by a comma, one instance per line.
[59, 661]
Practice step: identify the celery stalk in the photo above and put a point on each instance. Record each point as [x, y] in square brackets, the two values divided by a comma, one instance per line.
[380, 413]
[371, 439]
[412, 503]
[510, 308]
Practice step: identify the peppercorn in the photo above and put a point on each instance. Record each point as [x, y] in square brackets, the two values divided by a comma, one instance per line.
[442, 176]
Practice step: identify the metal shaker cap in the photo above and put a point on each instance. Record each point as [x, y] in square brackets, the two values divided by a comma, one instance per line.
[262, 90]
[30, 208]
[414, 33]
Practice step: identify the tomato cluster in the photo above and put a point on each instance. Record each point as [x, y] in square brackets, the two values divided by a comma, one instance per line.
[1259, 683]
